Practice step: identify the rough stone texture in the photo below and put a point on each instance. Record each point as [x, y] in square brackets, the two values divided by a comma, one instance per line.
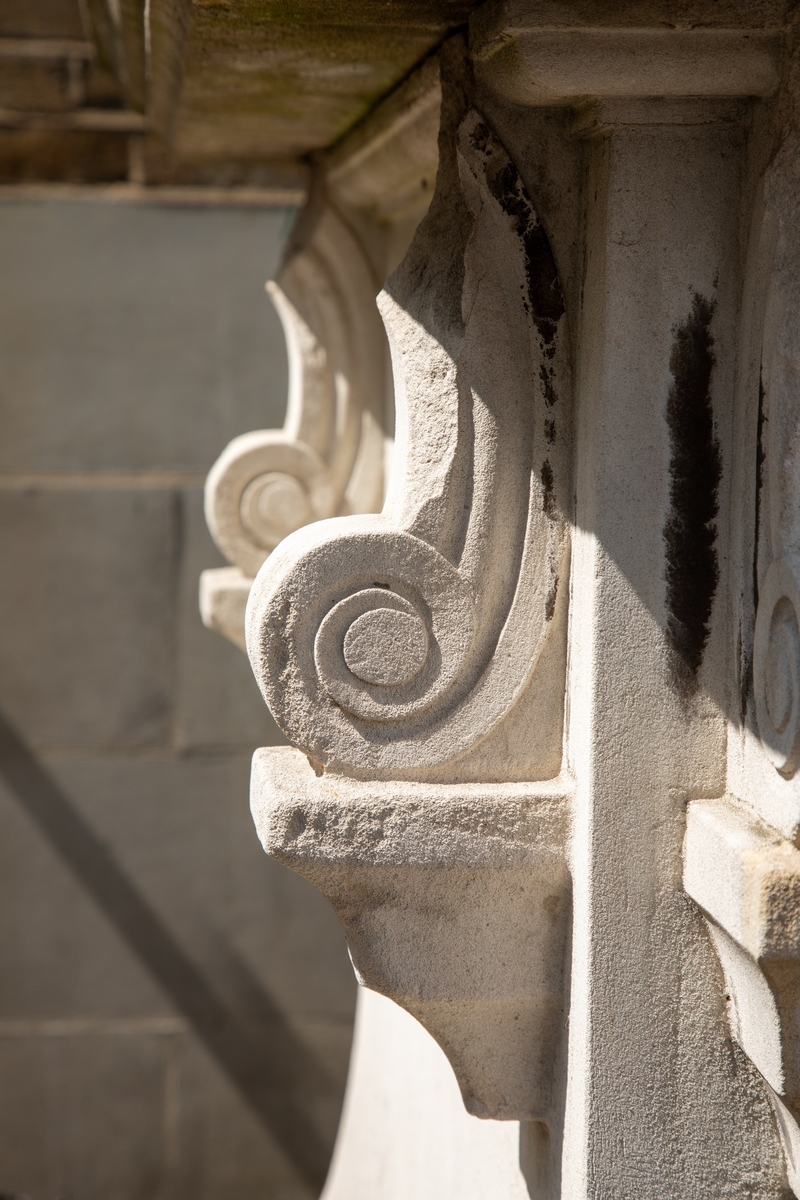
[95, 380]
[295, 77]
[437, 888]
[159, 1034]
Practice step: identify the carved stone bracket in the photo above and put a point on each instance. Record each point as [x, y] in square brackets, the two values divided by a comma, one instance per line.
[329, 457]
[455, 900]
[400, 649]
[390, 646]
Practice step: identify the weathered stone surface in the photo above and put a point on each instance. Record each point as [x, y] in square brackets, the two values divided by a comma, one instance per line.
[116, 374]
[295, 77]
[138, 914]
[217, 703]
[91, 596]
[83, 1111]
[437, 888]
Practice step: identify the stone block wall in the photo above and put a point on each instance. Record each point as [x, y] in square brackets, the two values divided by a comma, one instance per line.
[175, 1008]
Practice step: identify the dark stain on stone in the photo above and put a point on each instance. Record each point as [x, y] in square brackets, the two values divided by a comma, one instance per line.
[759, 484]
[546, 377]
[550, 432]
[550, 602]
[505, 184]
[548, 485]
[746, 661]
[746, 667]
[692, 565]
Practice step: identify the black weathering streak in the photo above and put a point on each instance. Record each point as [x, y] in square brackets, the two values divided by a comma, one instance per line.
[544, 289]
[548, 489]
[692, 566]
[747, 659]
[544, 300]
[760, 456]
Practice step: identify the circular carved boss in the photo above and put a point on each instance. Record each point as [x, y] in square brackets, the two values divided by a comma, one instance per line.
[776, 667]
[262, 488]
[378, 620]
[387, 652]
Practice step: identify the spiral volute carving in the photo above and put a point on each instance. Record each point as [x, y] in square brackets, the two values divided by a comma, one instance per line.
[262, 488]
[776, 667]
[380, 629]
[388, 645]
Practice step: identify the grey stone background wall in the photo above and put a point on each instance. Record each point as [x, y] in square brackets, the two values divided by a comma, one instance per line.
[175, 1009]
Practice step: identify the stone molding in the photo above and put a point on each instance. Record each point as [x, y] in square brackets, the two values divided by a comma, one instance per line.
[438, 887]
[541, 66]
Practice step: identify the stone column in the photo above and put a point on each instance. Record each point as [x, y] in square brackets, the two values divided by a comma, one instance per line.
[507, 688]
[648, 1071]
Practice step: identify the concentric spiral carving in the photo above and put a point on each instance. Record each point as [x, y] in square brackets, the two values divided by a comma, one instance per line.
[273, 505]
[389, 644]
[776, 667]
[261, 488]
[381, 625]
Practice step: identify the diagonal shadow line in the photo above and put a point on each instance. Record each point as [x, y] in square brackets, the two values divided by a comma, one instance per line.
[263, 1069]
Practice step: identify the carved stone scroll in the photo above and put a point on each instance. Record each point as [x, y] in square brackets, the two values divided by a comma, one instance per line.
[390, 645]
[329, 457]
[396, 649]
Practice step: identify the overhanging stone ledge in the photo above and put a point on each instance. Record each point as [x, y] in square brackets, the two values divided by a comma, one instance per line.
[456, 904]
